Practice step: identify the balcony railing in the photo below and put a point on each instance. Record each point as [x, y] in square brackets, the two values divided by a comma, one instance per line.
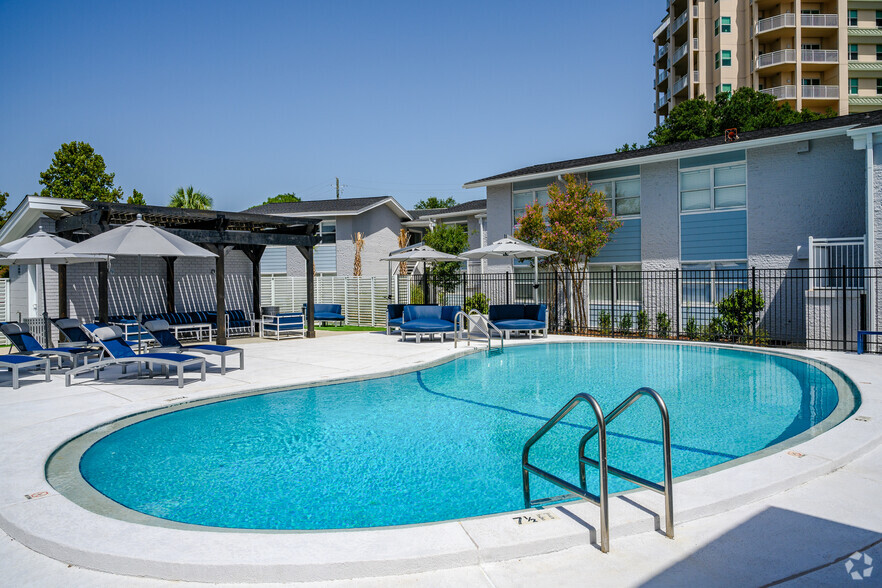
[819, 20]
[781, 92]
[820, 56]
[680, 21]
[662, 76]
[775, 22]
[662, 51]
[662, 100]
[679, 52]
[776, 57]
[695, 76]
[680, 83]
[820, 91]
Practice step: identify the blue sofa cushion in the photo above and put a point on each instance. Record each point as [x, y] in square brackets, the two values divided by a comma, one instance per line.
[502, 312]
[428, 319]
[519, 325]
[427, 325]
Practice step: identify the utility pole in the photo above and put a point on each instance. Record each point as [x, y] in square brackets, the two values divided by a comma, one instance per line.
[338, 188]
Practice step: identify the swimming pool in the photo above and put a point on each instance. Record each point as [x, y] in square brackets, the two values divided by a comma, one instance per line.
[444, 443]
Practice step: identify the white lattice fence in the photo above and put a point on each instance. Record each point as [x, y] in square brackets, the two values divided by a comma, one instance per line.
[363, 299]
[4, 305]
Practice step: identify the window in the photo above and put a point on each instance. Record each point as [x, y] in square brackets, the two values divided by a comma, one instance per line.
[706, 284]
[725, 24]
[726, 57]
[522, 199]
[622, 196]
[717, 60]
[723, 186]
[811, 11]
[625, 289]
[716, 27]
[852, 18]
[724, 89]
[852, 86]
[811, 81]
[852, 52]
[879, 19]
[879, 86]
[811, 46]
[328, 231]
[878, 52]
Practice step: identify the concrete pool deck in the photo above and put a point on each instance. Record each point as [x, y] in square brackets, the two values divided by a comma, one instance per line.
[772, 518]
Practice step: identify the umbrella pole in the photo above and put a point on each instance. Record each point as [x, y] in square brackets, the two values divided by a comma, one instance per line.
[535, 280]
[140, 309]
[46, 331]
[425, 282]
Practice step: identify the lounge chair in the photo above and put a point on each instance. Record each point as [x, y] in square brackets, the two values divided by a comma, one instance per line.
[71, 330]
[428, 320]
[513, 318]
[168, 342]
[121, 353]
[326, 313]
[90, 328]
[20, 337]
[14, 363]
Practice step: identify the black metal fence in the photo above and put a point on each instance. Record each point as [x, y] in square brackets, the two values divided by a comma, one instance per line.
[790, 307]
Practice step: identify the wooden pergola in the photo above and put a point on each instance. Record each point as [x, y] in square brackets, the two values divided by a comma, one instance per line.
[215, 230]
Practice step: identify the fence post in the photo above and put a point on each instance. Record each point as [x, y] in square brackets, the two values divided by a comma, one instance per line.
[844, 312]
[753, 300]
[508, 287]
[612, 298]
[677, 296]
[272, 291]
[373, 300]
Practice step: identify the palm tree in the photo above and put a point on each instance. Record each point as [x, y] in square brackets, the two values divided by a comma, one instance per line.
[190, 198]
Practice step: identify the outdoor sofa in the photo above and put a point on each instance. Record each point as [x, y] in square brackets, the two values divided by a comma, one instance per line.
[419, 320]
[514, 318]
[238, 322]
[326, 313]
[283, 324]
[395, 314]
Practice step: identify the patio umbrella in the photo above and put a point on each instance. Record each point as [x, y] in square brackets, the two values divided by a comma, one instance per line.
[511, 247]
[42, 248]
[424, 253]
[139, 239]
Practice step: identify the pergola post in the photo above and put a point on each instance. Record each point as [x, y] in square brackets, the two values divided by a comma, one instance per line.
[62, 291]
[254, 254]
[220, 275]
[170, 283]
[103, 276]
[307, 253]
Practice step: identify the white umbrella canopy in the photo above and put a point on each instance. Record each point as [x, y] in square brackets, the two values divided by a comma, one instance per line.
[420, 252]
[139, 239]
[42, 248]
[511, 247]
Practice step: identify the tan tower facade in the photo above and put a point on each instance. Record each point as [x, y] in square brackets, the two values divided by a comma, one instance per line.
[815, 55]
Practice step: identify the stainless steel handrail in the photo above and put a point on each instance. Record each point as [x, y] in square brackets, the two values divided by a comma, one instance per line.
[667, 488]
[472, 320]
[602, 499]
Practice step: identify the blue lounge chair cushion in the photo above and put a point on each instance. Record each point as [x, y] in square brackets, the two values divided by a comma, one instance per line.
[20, 359]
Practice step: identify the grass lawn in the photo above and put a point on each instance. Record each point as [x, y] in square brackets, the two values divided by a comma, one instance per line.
[348, 328]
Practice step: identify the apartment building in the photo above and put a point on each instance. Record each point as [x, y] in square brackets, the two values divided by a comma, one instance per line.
[814, 55]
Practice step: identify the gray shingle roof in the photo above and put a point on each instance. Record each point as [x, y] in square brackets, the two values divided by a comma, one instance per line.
[863, 119]
[311, 206]
[463, 207]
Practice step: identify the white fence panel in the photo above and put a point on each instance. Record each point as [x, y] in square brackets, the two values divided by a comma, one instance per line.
[363, 300]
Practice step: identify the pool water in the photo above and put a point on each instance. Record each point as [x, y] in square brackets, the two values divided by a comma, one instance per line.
[445, 442]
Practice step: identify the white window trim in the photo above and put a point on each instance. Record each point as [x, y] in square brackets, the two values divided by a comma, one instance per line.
[613, 197]
[713, 207]
[713, 279]
[619, 267]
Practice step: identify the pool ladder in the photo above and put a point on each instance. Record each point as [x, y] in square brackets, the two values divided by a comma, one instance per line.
[465, 321]
[599, 430]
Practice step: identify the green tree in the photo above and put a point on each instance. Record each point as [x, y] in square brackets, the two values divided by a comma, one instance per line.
[451, 239]
[433, 202]
[745, 110]
[576, 224]
[136, 198]
[290, 197]
[190, 198]
[78, 172]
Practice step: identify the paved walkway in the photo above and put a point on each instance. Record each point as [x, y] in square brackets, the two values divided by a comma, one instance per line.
[800, 535]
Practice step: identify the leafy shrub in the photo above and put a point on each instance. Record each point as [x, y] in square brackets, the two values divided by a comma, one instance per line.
[416, 294]
[662, 325]
[737, 312]
[478, 302]
[642, 323]
[605, 323]
[692, 328]
[625, 323]
[714, 330]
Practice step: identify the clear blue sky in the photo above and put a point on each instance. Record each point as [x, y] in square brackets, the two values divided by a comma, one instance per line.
[245, 100]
